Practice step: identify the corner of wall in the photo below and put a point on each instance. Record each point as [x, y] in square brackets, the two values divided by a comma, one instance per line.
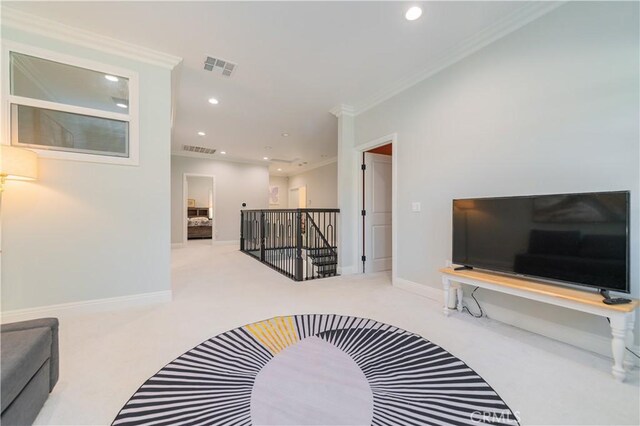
[423, 290]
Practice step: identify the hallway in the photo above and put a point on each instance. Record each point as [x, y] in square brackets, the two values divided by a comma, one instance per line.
[106, 356]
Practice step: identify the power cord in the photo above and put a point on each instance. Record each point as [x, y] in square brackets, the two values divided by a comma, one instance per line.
[632, 352]
[466, 308]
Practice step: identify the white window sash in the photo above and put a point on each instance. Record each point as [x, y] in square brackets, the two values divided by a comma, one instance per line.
[55, 106]
[131, 116]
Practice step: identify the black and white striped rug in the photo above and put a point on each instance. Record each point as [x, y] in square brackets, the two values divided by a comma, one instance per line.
[316, 370]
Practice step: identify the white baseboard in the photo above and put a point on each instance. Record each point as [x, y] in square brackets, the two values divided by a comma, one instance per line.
[347, 270]
[582, 339]
[213, 243]
[226, 243]
[419, 289]
[593, 342]
[87, 306]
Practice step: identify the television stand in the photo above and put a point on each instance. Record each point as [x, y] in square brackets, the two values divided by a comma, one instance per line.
[608, 300]
[621, 316]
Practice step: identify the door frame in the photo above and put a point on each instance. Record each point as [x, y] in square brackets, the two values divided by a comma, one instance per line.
[185, 196]
[300, 188]
[358, 151]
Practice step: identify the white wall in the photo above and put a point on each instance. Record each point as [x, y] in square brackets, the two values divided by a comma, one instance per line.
[322, 186]
[198, 188]
[283, 183]
[236, 183]
[550, 108]
[88, 231]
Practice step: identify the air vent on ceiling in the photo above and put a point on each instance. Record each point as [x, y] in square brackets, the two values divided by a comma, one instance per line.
[198, 149]
[220, 66]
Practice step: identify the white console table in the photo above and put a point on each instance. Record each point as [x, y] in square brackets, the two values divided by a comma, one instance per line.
[621, 316]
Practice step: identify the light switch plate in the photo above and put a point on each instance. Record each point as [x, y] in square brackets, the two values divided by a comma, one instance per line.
[415, 206]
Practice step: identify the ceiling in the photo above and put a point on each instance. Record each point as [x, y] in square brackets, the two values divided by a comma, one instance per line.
[295, 62]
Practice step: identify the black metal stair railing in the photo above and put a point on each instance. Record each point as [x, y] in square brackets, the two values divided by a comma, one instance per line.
[299, 243]
[320, 245]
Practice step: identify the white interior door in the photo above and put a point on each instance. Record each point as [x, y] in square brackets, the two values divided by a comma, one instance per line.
[302, 197]
[293, 198]
[298, 198]
[377, 204]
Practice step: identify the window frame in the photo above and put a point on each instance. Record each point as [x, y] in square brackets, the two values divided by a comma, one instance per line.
[131, 117]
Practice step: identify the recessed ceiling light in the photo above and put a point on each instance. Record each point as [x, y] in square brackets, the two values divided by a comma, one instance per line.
[213, 101]
[413, 13]
[265, 158]
[122, 105]
[111, 77]
[201, 133]
[223, 152]
[284, 135]
[279, 170]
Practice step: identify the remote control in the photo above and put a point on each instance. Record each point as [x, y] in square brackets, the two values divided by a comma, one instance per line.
[616, 301]
[463, 268]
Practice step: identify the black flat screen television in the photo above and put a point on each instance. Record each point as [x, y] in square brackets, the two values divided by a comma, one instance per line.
[573, 238]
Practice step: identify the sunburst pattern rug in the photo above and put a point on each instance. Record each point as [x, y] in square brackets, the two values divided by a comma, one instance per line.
[316, 370]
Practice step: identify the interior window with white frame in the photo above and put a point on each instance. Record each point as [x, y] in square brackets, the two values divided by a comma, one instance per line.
[67, 108]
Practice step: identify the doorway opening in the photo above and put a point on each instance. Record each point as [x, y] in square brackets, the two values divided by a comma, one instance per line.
[377, 208]
[199, 208]
[298, 198]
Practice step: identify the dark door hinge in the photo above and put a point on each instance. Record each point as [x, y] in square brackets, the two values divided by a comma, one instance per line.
[364, 258]
[364, 212]
[364, 167]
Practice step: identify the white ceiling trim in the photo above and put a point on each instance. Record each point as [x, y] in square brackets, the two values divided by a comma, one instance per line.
[313, 166]
[217, 157]
[263, 163]
[342, 109]
[48, 28]
[501, 28]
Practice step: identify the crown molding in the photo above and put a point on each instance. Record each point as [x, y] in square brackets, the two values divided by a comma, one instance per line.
[510, 23]
[262, 163]
[342, 109]
[225, 158]
[26, 22]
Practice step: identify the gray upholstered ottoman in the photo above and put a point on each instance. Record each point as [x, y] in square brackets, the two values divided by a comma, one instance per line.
[28, 368]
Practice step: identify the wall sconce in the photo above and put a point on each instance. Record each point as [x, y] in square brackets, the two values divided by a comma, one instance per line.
[17, 164]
